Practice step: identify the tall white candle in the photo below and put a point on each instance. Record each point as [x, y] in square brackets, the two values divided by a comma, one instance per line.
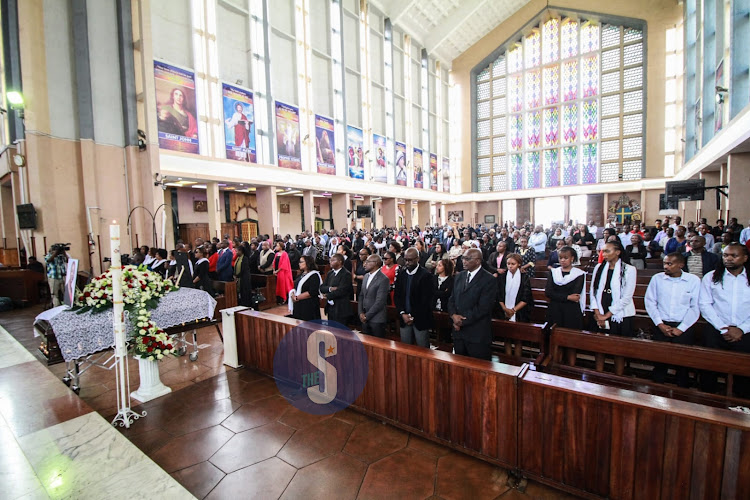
[118, 305]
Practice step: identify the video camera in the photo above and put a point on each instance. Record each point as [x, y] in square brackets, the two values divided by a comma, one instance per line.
[64, 247]
[124, 259]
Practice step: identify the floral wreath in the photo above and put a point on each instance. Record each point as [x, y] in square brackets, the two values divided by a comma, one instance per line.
[141, 290]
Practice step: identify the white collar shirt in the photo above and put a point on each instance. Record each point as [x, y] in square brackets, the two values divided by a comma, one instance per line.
[673, 299]
[727, 303]
[538, 241]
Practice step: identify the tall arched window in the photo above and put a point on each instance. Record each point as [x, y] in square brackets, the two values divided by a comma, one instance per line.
[562, 105]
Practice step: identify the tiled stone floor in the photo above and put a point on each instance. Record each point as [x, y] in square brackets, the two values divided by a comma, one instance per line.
[227, 433]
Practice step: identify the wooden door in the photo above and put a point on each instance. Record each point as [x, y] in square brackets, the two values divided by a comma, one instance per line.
[249, 230]
[189, 232]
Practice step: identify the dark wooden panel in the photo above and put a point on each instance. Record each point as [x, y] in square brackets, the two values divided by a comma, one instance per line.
[458, 389]
[475, 380]
[708, 461]
[649, 453]
[598, 442]
[678, 444]
[489, 412]
[507, 405]
[531, 429]
[389, 382]
[574, 448]
[553, 428]
[622, 457]
[732, 455]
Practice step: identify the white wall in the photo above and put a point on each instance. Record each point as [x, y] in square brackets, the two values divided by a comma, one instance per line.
[58, 41]
[171, 31]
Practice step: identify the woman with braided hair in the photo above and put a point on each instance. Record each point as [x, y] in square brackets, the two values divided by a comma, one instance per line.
[611, 295]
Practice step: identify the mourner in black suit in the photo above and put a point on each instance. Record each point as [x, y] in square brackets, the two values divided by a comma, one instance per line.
[244, 279]
[373, 298]
[337, 290]
[413, 300]
[470, 307]
[304, 296]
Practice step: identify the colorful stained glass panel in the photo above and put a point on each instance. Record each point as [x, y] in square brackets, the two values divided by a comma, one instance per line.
[569, 85]
[551, 76]
[589, 37]
[551, 127]
[533, 49]
[589, 164]
[533, 170]
[534, 129]
[515, 133]
[569, 38]
[589, 120]
[551, 168]
[570, 123]
[533, 89]
[516, 171]
[551, 40]
[570, 166]
[590, 75]
[515, 93]
[515, 59]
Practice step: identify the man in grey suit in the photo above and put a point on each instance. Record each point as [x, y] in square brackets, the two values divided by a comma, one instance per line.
[470, 307]
[373, 297]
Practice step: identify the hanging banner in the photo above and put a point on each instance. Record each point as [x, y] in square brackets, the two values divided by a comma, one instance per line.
[239, 123]
[400, 164]
[175, 108]
[381, 171]
[418, 173]
[287, 136]
[355, 154]
[433, 172]
[325, 145]
[446, 175]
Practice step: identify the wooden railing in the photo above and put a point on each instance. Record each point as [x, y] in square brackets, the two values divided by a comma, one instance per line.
[590, 439]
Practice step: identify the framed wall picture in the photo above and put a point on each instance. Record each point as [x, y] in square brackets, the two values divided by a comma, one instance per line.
[284, 208]
[489, 219]
[317, 209]
[200, 206]
[455, 216]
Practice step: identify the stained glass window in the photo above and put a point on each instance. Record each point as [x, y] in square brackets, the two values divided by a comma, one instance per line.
[551, 98]
[533, 170]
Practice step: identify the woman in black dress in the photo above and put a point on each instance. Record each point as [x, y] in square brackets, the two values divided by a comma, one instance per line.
[514, 291]
[360, 272]
[611, 294]
[442, 292]
[566, 291]
[304, 303]
[637, 252]
[161, 264]
[201, 280]
[244, 279]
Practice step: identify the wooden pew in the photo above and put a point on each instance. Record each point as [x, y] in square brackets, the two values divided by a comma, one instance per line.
[420, 390]
[266, 284]
[21, 285]
[566, 344]
[607, 442]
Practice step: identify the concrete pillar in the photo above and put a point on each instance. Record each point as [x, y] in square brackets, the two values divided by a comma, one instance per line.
[499, 218]
[707, 208]
[424, 214]
[367, 221]
[268, 210]
[439, 208]
[643, 207]
[723, 179]
[340, 207]
[605, 209]
[532, 212]
[408, 219]
[738, 178]
[473, 215]
[566, 209]
[308, 206]
[389, 212]
[213, 202]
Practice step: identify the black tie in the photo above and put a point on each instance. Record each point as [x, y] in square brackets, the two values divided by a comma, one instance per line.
[468, 278]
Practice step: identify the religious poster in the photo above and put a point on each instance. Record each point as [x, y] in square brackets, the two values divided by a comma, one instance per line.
[287, 136]
[433, 172]
[355, 154]
[325, 145]
[418, 172]
[381, 171]
[446, 175]
[175, 108]
[239, 123]
[400, 163]
[71, 273]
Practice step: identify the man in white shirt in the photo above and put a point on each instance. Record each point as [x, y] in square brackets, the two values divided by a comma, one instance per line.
[745, 234]
[538, 240]
[725, 305]
[592, 228]
[625, 235]
[672, 304]
[703, 231]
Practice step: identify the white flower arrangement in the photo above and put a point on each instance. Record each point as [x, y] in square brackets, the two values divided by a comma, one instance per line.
[141, 290]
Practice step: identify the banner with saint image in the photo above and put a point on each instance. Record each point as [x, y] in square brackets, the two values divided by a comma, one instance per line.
[380, 173]
[433, 172]
[400, 163]
[325, 145]
[175, 108]
[239, 123]
[287, 136]
[355, 155]
[446, 175]
[418, 172]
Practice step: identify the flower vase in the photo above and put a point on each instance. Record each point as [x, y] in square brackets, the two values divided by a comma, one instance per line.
[151, 385]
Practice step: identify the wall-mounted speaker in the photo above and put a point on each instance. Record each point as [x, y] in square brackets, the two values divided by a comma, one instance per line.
[26, 216]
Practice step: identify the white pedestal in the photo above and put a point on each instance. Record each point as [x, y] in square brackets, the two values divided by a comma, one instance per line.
[229, 333]
[151, 385]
